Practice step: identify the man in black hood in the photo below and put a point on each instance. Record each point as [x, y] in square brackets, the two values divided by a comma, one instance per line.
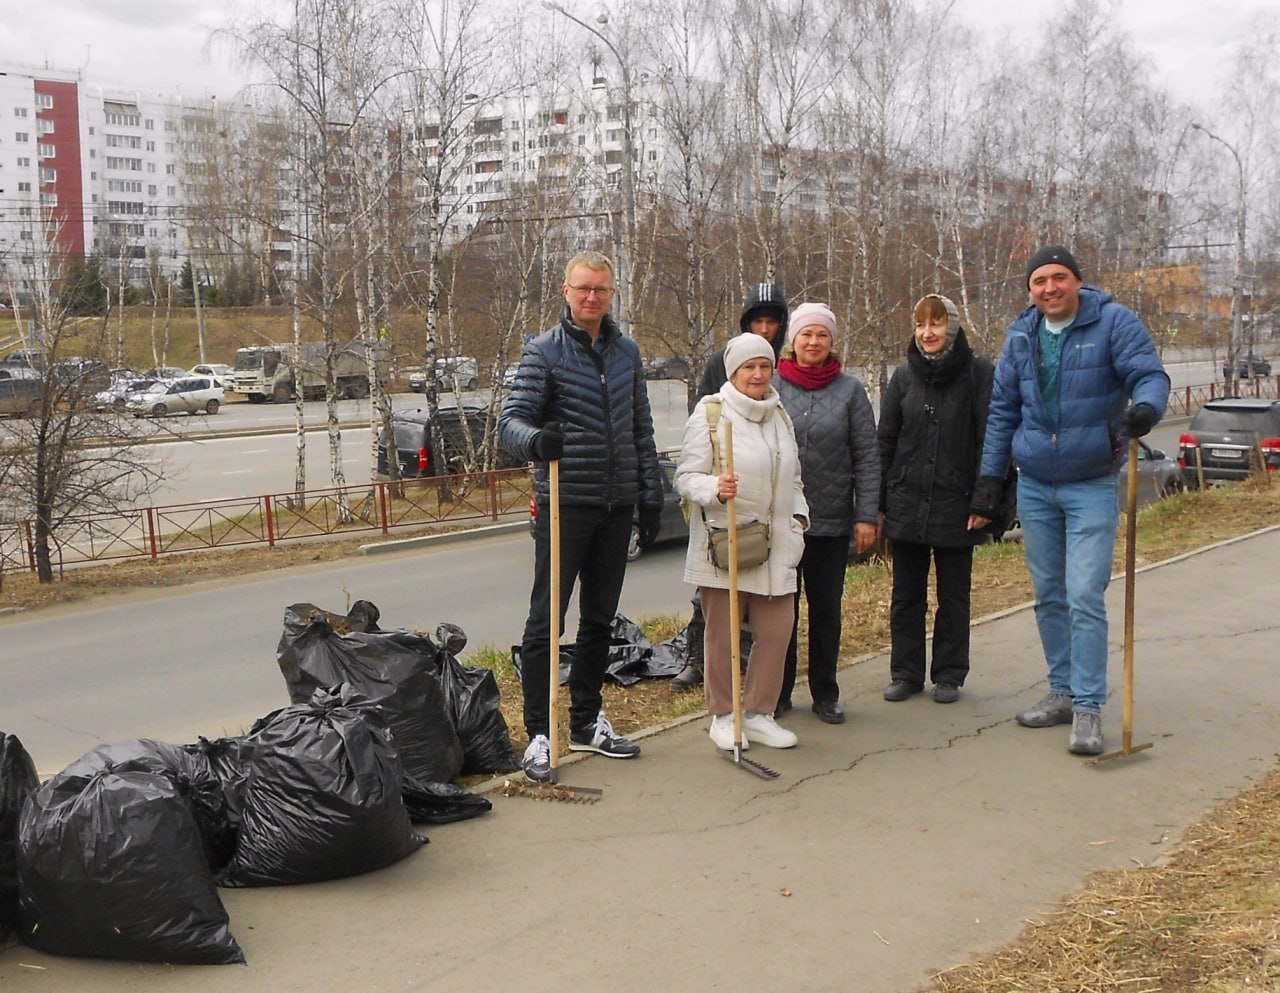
[764, 313]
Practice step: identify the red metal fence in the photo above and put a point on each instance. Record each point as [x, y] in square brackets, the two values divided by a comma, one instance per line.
[150, 532]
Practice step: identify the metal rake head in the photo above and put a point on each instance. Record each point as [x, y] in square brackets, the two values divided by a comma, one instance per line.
[735, 756]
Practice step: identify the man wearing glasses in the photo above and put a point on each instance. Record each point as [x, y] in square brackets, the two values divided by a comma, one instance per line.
[579, 397]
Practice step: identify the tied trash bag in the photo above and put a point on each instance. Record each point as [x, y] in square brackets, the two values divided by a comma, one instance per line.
[475, 704]
[228, 759]
[111, 865]
[191, 774]
[18, 780]
[395, 670]
[322, 798]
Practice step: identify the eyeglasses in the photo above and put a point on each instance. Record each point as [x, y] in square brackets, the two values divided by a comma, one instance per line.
[587, 291]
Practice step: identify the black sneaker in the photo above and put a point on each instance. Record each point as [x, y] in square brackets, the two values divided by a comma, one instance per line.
[601, 739]
[537, 759]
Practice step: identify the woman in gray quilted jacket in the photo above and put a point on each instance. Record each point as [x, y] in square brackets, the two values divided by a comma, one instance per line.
[840, 463]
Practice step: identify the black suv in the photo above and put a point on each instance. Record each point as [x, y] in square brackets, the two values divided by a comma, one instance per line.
[412, 430]
[1223, 436]
[1246, 366]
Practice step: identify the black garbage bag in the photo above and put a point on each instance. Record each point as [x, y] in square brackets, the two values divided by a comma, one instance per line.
[441, 803]
[228, 759]
[475, 704]
[322, 799]
[669, 657]
[190, 773]
[398, 671]
[111, 865]
[18, 780]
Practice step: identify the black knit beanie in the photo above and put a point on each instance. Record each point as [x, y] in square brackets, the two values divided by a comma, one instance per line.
[1052, 255]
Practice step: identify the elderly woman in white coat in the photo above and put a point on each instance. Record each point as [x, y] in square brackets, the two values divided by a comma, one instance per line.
[766, 486]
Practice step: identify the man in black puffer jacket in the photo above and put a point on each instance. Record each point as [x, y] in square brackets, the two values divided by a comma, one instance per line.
[579, 397]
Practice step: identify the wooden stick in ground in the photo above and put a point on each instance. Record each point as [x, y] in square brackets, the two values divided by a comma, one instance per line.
[1130, 589]
[735, 615]
[552, 708]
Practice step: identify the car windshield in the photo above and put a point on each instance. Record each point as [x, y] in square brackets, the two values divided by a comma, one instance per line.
[1237, 421]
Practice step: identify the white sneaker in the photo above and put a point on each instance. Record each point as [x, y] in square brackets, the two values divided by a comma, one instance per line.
[721, 732]
[762, 728]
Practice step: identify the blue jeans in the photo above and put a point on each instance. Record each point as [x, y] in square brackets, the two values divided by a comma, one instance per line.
[1069, 531]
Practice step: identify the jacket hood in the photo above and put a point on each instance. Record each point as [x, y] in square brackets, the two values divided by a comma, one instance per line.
[766, 298]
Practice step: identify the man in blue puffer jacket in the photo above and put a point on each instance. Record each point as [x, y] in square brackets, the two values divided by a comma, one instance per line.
[580, 398]
[1060, 410]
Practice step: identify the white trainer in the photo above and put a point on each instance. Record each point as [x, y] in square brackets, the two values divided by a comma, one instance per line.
[764, 730]
[721, 732]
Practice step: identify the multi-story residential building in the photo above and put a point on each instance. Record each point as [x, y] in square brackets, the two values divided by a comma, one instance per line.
[95, 170]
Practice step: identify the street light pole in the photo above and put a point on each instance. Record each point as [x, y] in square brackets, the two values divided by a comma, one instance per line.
[1237, 281]
[627, 240]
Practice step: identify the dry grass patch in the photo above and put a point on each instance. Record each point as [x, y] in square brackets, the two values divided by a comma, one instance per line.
[1206, 918]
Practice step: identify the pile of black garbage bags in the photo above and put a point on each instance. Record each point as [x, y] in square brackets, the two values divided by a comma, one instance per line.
[121, 854]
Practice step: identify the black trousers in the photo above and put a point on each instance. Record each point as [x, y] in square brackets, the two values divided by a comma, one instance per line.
[593, 549]
[821, 577]
[954, 567]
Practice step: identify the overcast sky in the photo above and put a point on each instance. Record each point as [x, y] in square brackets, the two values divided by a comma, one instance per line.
[161, 44]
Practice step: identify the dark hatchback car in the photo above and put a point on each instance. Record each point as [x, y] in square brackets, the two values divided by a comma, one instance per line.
[1247, 366]
[666, 367]
[673, 526]
[412, 430]
[1223, 437]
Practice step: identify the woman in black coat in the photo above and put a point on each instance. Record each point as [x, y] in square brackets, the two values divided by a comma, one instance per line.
[932, 420]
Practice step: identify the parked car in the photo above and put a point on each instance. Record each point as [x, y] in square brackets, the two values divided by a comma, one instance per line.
[32, 358]
[1222, 436]
[509, 374]
[166, 372]
[113, 397]
[666, 367]
[673, 526]
[79, 376]
[20, 388]
[412, 431]
[189, 394]
[1246, 366]
[461, 373]
[218, 370]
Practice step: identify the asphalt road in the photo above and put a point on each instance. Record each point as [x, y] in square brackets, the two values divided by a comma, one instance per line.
[200, 660]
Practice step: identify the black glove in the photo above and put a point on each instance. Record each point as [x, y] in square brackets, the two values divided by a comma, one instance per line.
[650, 521]
[548, 446]
[1139, 420]
[987, 496]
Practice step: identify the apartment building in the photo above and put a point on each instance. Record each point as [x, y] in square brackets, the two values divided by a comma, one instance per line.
[89, 169]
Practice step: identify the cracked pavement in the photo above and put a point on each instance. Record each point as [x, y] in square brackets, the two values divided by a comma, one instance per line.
[901, 842]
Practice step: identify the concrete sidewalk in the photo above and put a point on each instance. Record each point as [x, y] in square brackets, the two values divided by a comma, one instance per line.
[903, 841]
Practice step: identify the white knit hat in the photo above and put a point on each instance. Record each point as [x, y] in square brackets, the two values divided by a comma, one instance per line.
[745, 347]
[811, 313]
